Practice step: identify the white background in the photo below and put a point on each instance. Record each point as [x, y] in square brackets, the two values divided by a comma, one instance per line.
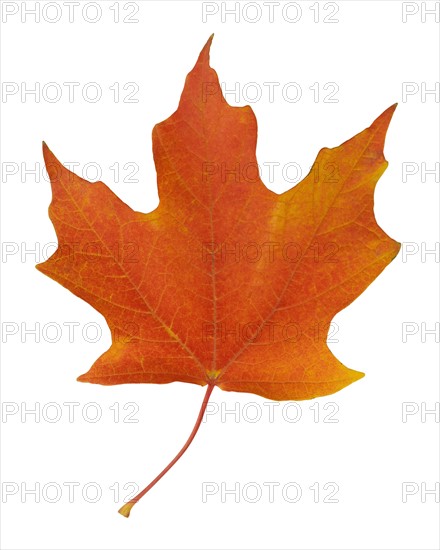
[369, 453]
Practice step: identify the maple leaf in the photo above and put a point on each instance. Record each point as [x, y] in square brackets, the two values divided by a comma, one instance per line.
[225, 283]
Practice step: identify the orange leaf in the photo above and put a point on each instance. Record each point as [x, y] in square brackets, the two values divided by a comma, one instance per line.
[226, 283]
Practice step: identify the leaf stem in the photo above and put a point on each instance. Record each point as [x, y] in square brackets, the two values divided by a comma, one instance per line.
[126, 509]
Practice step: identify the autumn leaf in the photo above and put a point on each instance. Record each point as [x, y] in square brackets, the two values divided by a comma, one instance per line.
[225, 283]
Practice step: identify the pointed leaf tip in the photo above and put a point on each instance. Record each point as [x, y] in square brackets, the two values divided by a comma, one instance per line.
[380, 128]
[385, 118]
[390, 110]
[204, 54]
[46, 149]
[48, 156]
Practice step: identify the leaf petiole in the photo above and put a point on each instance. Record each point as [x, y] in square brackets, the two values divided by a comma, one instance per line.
[126, 509]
